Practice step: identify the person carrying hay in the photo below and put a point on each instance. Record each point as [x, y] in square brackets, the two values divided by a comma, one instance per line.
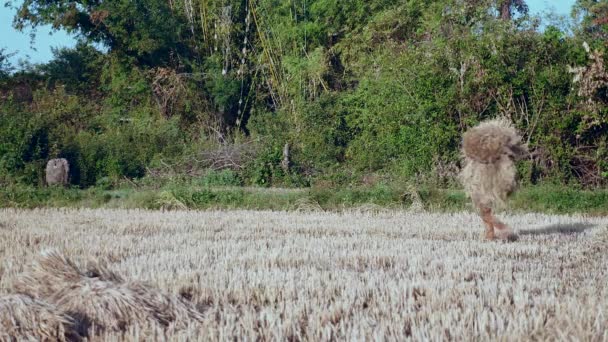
[490, 150]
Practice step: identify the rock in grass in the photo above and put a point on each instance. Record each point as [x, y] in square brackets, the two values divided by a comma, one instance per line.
[57, 171]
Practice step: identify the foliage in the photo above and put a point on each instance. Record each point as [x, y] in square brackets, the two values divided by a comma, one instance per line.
[77, 69]
[594, 19]
[183, 195]
[356, 90]
[5, 66]
[147, 31]
[221, 178]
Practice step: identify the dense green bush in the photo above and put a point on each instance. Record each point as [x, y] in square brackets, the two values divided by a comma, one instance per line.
[220, 178]
[363, 92]
[62, 125]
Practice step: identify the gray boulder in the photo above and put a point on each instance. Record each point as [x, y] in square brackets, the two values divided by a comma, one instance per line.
[57, 171]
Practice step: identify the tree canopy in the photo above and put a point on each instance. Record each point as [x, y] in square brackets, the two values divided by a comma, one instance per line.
[352, 88]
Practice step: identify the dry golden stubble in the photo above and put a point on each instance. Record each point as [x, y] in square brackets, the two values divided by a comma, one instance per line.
[321, 275]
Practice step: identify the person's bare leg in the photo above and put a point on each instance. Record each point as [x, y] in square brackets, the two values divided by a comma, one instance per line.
[488, 220]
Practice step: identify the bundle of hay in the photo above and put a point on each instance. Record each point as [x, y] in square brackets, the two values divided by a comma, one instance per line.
[100, 300]
[306, 205]
[48, 275]
[24, 318]
[490, 150]
[100, 306]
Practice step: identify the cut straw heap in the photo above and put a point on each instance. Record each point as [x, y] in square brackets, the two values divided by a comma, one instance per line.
[24, 318]
[490, 150]
[98, 300]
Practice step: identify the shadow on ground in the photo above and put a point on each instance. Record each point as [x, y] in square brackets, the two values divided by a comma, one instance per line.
[570, 228]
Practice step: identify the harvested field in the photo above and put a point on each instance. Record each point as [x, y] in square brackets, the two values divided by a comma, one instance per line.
[219, 275]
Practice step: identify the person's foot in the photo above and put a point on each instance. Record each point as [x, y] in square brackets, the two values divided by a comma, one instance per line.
[504, 232]
[489, 234]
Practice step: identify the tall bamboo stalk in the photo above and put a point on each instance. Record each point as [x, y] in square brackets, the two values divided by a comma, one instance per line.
[275, 80]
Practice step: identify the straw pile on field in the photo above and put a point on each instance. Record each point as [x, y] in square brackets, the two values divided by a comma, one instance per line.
[24, 318]
[69, 303]
[222, 275]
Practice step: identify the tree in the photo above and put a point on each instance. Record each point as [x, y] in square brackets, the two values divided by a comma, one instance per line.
[594, 18]
[506, 8]
[5, 66]
[146, 30]
[78, 68]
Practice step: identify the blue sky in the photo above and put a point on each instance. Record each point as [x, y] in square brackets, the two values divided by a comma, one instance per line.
[560, 6]
[14, 41]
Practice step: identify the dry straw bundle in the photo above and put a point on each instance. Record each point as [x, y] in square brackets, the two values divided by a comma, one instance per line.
[99, 300]
[25, 318]
[490, 150]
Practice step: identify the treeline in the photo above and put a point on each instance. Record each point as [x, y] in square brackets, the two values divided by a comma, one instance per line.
[301, 92]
